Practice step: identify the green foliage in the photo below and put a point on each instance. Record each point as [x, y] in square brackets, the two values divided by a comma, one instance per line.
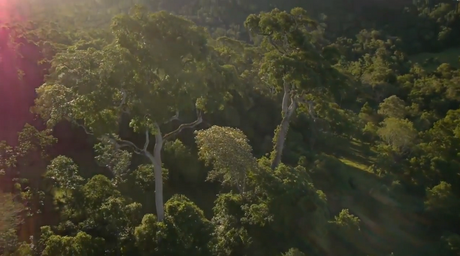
[228, 151]
[370, 99]
[145, 176]
[441, 200]
[283, 202]
[91, 208]
[392, 107]
[185, 230]
[182, 163]
[81, 244]
[10, 219]
[294, 252]
[291, 56]
[116, 160]
[451, 243]
[346, 221]
[400, 134]
[149, 234]
[64, 173]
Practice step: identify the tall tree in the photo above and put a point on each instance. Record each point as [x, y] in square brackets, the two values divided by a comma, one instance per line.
[293, 63]
[156, 68]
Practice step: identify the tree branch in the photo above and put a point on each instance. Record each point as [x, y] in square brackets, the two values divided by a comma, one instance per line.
[285, 102]
[136, 149]
[175, 117]
[123, 100]
[84, 128]
[187, 61]
[292, 107]
[270, 40]
[193, 124]
[122, 104]
[147, 140]
[127, 143]
[310, 108]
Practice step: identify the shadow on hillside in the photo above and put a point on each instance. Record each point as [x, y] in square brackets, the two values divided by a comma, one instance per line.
[341, 171]
[346, 162]
[353, 150]
[431, 60]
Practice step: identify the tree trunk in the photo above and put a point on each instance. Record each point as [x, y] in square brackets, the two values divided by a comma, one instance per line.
[158, 171]
[155, 159]
[281, 134]
[279, 142]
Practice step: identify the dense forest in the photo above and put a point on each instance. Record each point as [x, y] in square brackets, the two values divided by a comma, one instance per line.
[230, 128]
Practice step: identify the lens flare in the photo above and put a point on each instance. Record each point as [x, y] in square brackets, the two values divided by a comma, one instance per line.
[8, 10]
[15, 93]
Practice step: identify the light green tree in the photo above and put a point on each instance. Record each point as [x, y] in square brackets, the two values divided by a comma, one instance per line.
[228, 151]
[399, 134]
[393, 107]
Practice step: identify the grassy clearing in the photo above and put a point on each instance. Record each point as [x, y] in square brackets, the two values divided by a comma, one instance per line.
[357, 158]
[354, 165]
[381, 220]
[349, 161]
[353, 153]
[450, 56]
[357, 155]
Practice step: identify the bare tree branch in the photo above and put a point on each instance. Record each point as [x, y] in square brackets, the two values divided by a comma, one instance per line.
[120, 143]
[127, 143]
[276, 46]
[311, 108]
[193, 124]
[84, 128]
[292, 107]
[122, 104]
[123, 100]
[147, 140]
[175, 117]
[286, 95]
[270, 40]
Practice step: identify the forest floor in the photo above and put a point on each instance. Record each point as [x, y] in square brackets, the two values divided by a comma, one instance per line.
[451, 56]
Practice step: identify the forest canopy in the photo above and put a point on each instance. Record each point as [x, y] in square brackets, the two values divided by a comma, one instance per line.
[229, 128]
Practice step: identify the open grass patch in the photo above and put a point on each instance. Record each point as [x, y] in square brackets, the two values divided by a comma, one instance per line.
[385, 217]
[355, 165]
[431, 60]
[346, 162]
[353, 153]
